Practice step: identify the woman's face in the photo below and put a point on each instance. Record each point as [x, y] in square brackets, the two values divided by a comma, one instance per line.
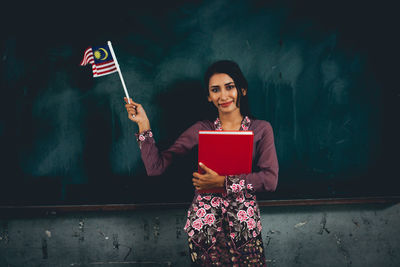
[222, 92]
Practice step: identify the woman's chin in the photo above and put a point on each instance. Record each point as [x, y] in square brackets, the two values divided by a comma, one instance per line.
[226, 110]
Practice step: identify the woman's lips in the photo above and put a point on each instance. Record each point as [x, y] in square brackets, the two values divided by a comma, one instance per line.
[226, 104]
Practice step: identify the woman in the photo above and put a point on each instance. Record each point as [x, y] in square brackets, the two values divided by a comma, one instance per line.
[224, 228]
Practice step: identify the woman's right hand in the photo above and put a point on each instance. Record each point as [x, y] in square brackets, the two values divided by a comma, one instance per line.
[137, 114]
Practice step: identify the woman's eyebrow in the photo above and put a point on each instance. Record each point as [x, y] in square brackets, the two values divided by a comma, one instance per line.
[229, 83]
[214, 86]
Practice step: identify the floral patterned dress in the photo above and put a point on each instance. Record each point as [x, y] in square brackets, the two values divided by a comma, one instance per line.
[224, 229]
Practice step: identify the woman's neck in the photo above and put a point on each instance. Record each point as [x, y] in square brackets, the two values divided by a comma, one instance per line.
[231, 121]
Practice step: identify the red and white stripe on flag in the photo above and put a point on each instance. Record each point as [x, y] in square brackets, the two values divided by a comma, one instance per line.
[99, 69]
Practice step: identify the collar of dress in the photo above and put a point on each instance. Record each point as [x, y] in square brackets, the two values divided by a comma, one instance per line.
[243, 127]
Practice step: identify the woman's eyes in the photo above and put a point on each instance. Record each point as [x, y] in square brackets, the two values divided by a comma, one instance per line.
[228, 87]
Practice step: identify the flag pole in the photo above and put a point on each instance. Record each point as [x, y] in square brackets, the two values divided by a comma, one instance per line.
[119, 70]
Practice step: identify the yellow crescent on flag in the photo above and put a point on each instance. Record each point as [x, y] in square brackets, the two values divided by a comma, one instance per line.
[105, 54]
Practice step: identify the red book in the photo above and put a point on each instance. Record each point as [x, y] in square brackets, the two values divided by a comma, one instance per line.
[225, 152]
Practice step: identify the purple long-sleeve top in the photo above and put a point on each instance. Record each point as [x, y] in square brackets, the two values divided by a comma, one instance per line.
[238, 205]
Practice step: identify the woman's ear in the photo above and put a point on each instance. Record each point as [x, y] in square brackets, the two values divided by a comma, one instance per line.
[209, 99]
[244, 91]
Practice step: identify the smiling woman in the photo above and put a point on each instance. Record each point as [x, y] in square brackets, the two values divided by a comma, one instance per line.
[222, 93]
[226, 77]
[223, 227]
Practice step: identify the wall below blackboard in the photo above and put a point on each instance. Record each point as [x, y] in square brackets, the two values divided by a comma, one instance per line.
[345, 235]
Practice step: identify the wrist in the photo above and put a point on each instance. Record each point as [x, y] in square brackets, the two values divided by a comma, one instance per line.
[222, 181]
[145, 126]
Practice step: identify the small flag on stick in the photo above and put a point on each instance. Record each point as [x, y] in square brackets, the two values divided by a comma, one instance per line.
[101, 60]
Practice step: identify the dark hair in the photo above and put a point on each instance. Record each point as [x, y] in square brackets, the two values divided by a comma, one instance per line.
[232, 69]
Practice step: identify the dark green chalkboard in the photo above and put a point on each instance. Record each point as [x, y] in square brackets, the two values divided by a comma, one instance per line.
[324, 75]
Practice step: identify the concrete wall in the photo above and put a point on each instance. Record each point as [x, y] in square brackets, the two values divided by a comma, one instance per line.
[340, 235]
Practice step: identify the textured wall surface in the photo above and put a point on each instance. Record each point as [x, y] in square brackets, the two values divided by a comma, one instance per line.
[343, 235]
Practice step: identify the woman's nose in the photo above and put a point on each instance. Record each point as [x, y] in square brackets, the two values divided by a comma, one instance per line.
[224, 93]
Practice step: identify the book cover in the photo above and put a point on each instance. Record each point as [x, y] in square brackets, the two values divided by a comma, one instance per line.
[225, 152]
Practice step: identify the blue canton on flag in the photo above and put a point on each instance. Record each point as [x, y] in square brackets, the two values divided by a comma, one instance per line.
[101, 60]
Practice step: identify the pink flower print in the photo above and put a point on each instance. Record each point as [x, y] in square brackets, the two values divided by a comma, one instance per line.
[250, 212]
[207, 198]
[217, 124]
[150, 134]
[242, 216]
[213, 240]
[254, 234]
[219, 229]
[240, 198]
[251, 224]
[224, 194]
[201, 203]
[248, 195]
[259, 226]
[230, 223]
[215, 202]
[247, 119]
[188, 213]
[207, 207]
[197, 224]
[141, 137]
[249, 186]
[195, 208]
[187, 224]
[191, 233]
[201, 212]
[232, 235]
[199, 198]
[245, 128]
[209, 219]
[246, 204]
[223, 210]
[252, 203]
[236, 188]
[226, 203]
[255, 208]
[241, 183]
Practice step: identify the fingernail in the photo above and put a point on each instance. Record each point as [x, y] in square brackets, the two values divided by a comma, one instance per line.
[201, 164]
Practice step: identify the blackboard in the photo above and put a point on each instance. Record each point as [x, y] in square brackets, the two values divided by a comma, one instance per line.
[324, 73]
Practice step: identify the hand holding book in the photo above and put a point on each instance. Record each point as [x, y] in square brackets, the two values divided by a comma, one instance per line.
[225, 153]
[209, 179]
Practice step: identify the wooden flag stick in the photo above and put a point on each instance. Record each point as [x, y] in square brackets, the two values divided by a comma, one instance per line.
[119, 70]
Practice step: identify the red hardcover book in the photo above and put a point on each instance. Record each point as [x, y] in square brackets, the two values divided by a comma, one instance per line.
[225, 152]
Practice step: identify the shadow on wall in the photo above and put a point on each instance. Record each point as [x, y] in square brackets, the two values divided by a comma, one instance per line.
[181, 104]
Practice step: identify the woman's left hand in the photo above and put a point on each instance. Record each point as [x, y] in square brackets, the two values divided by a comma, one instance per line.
[210, 179]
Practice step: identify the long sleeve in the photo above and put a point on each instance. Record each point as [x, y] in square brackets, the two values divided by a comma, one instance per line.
[156, 161]
[266, 177]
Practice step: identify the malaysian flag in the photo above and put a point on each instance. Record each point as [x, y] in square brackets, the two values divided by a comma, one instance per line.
[101, 60]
